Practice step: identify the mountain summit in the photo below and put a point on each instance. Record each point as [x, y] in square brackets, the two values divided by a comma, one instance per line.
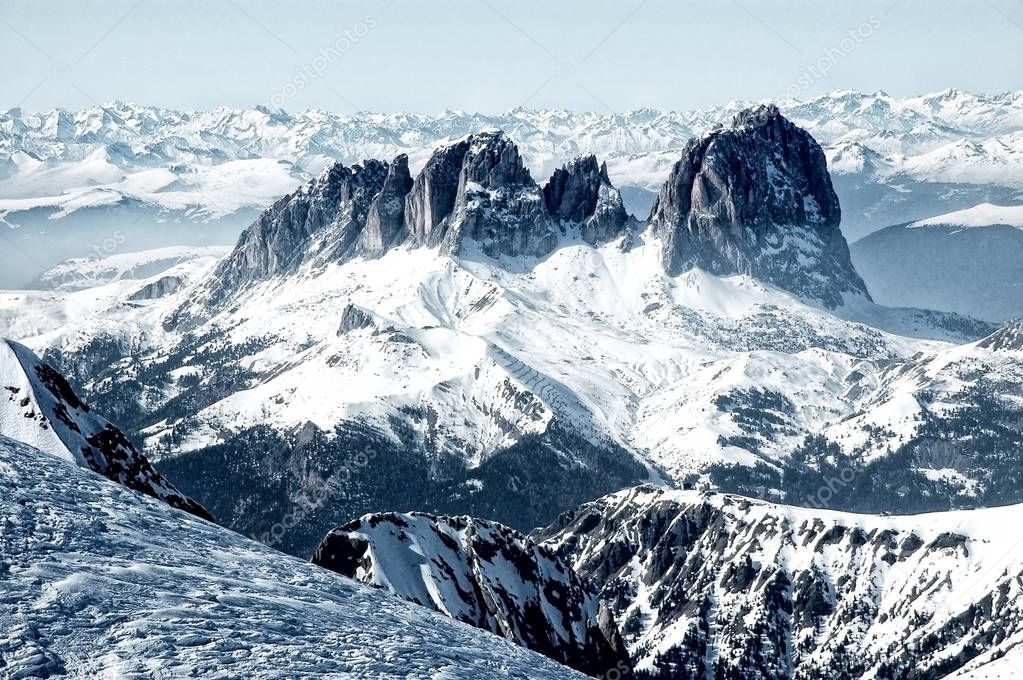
[472, 196]
[756, 198]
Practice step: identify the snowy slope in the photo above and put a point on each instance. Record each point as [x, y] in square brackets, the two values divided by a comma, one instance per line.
[39, 408]
[99, 582]
[82, 273]
[483, 574]
[494, 358]
[80, 288]
[969, 261]
[723, 586]
[983, 215]
[468, 361]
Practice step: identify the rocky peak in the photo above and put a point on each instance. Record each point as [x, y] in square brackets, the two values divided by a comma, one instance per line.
[581, 193]
[330, 211]
[493, 161]
[478, 190]
[486, 575]
[432, 198]
[756, 198]
[385, 222]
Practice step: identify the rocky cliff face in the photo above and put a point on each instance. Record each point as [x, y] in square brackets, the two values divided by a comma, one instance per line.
[581, 193]
[727, 587]
[39, 408]
[479, 191]
[483, 574]
[325, 219]
[475, 195]
[756, 198]
[385, 222]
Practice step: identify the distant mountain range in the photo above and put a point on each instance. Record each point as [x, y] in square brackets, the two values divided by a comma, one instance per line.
[166, 177]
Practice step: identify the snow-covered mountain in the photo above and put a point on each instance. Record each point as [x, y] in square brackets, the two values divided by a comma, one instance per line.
[79, 274]
[38, 407]
[498, 361]
[171, 178]
[720, 586]
[483, 574]
[100, 582]
[969, 261]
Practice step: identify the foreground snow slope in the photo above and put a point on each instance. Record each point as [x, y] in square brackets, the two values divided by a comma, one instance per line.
[724, 586]
[97, 582]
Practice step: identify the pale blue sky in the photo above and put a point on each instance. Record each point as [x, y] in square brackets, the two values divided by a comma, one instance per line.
[490, 56]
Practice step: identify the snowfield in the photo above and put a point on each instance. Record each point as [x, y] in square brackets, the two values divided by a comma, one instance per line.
[611, 342]
[97, 581]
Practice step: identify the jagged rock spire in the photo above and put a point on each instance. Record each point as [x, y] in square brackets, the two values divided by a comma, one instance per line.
[479, 190]
[581, 193]
[385, 222]
[756, 198]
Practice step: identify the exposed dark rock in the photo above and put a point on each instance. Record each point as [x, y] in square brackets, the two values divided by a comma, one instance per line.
[478, 190]
[757, 199]
[385, 223]
[720, 586]
[581, 193]
[1008, 338]
[322, 219]
[66, 423]
[484, 574]
[433, 194]
[162, 287]
[354, 318]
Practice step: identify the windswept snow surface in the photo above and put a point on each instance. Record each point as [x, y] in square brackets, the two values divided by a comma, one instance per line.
[99, 582]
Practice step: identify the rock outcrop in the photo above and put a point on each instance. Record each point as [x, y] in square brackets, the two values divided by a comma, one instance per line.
[385, 222]
[323, 219]
[479, 191]
[581, 193]
[757, 199]
[1008, 338]
[39, 408]
[720, 586]
[484, 574]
